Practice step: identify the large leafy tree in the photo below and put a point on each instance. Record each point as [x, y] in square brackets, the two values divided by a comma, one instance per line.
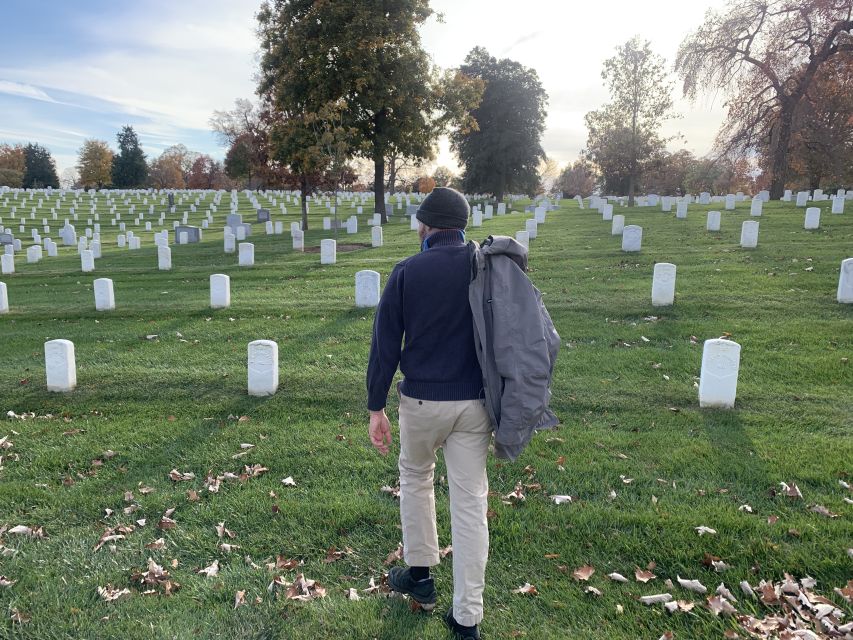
[366, 55]
[503, 152]
[39, 168]
[129, 168]
[94, 164]
[766, 54]
[822, 139]
[624, 135]
[12, 165]
[577, 179]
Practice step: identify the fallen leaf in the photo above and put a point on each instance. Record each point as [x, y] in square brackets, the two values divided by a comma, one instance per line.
[701, 530]
[583, 573]
[820, 509]
[617, 577]
[448, 550]
[526, 589]
[656, 599]
[592, 590]
[692, 585]
[792, 490]
[110, 594]
[352, 594]
[643, 576]
[395, 555]
[718, 604]
[239, 599]
[6, 582]
[158, 544]
[289, 482]
[210, 571]
[221, 531]
[562, 499]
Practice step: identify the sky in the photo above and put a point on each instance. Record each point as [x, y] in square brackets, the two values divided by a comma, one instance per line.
[72, 70]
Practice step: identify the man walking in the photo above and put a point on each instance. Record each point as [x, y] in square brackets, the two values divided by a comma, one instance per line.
[424, 324]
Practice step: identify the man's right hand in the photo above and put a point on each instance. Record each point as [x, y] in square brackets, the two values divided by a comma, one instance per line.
[380, 431]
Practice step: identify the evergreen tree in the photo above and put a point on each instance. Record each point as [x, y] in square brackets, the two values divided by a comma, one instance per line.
[503, 154]
[129, 169]
[39, 168]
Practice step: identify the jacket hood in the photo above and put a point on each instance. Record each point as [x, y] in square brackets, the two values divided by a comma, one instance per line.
[506, 246]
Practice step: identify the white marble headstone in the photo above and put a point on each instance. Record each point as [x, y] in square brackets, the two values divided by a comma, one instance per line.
[376, 236]
[681, 210]
[632, 238]
[532, 228]
[618, 225]
[104, 295]
[749, 234]
[4, 298]
[476, 219]
[713, 222]
[838, 203]
[663, 285]
[246, 257]
[60, 366]
[718, 379]
[263, 368]
[730, 202]
[523, 238]
[230, 242]
[366, 288]
[87, 261]
[164, 258]
[220, 291]
[298, 238]
[802, 198]
[607, 212]
[845, 282]
[756, 206]
[812, 220]
[328, 251]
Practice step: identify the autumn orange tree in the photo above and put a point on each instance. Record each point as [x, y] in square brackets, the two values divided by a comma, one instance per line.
[767, 54]
[822, 140]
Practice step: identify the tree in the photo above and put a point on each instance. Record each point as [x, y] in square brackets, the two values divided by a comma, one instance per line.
[667, 173]
[368, 55]
[12, 165]
[502, 153]
[206, 173]
[69, 178]
[424, 184]
[822, 137]
[39, 168]
[577, 179]
[183, 158]
[624, 134]
[442, 176]
[549, 171]
[245, 130]
[94, 163]
[766, 54]
[165, 172]
[129, 169]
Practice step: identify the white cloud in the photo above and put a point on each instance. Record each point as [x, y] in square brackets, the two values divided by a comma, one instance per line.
[24, 91]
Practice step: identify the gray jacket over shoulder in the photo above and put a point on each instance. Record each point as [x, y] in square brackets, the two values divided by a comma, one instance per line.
[516, 343]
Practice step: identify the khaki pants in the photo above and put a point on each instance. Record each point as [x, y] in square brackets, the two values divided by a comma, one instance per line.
[463, 429]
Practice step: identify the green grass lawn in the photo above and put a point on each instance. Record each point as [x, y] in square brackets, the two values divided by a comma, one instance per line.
[625, 389]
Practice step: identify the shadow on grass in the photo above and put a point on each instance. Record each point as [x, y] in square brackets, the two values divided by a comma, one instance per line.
[734, 452]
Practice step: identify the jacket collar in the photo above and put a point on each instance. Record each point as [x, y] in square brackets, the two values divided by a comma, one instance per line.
[444, 238]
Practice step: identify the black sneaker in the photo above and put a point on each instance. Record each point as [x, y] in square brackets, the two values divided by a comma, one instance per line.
[422, 591]
[459, 632]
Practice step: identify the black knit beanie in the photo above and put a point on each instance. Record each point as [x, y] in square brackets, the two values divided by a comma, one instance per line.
[444, 208]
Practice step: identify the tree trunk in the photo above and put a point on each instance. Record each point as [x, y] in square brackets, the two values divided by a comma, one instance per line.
[303, 183]
[779, 166]
[631, 190]
[379, 185]
[392, 174]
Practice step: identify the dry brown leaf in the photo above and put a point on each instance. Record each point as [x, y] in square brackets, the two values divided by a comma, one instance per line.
[617, 577]
[394, 492]
[592, 590]
[19, 617]
[719, 605]
[526, 589]
[702, 530]
[228, 548]
[448, 550]
[177, 476]
[820, 509]
[352, 594]
[221, 531]
[395, 555]
[6, 582]
[643, 576]
[792, 490]
[583, 573]
[289, 482]
[239, 598]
